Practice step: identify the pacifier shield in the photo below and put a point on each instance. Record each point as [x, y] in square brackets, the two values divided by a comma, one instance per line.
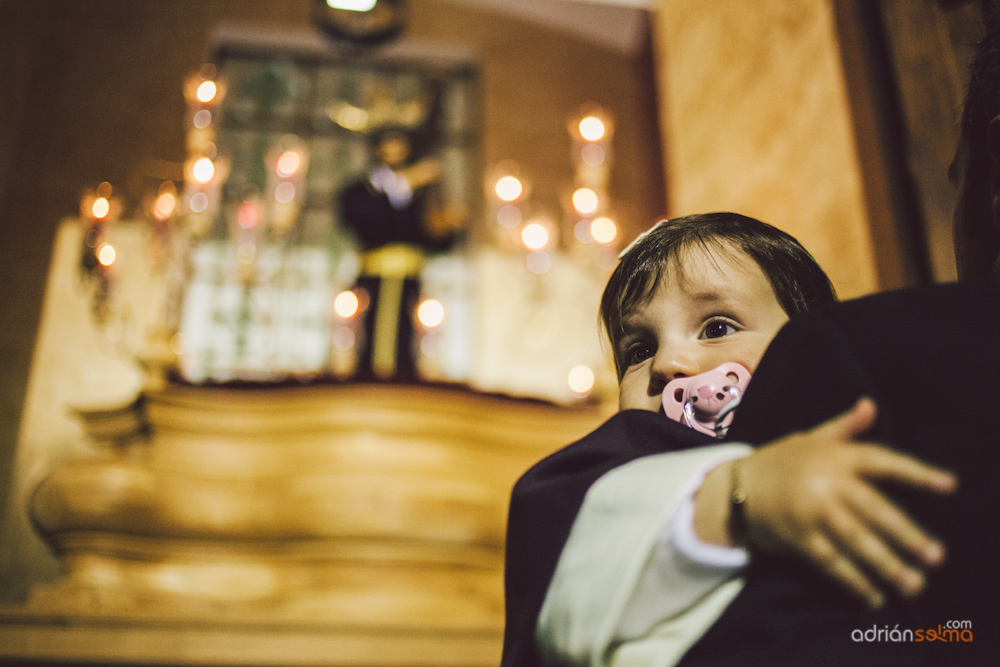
[706, 402]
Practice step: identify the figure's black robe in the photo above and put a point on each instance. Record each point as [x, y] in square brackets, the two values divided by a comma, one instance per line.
[930, 358]
[376, 223]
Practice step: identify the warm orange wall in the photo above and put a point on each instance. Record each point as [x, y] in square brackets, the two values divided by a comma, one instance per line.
[756, 120]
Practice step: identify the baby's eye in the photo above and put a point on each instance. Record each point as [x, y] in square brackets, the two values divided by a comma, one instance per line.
[718, 329]
[637, 354]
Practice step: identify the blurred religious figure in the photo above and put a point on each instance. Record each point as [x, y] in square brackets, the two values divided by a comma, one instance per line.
[396, 214]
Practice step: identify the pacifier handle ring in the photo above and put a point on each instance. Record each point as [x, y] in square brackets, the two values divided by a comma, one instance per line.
[689, 413]
[737, 395]
[720, 430]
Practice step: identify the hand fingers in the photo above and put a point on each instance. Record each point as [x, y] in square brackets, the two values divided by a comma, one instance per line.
[842, 569]
[871, 551]
[855, 421]
[888, 520]
[885, 464]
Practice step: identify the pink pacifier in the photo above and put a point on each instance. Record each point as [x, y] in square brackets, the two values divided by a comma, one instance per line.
[706, 402]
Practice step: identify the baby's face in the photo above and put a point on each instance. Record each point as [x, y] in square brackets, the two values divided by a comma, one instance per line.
[720, 307]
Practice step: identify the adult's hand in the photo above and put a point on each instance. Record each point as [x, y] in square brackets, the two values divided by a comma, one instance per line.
[815, 493]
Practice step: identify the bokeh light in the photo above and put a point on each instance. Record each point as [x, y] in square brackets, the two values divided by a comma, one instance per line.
[581, 380]
[591, 128]
[164, 206]
[509, 188]
[285, 192]
[430, 313]
[582, 232]
[346, 305]
[509, 216]
[343, 338]
[539, 262]
[585, 201]
[351, 118]
[592, 155]
[431, 345]
[352, 5]
[178, 344]
[199, 202]
[288, 163]
[248, 215]
[203, 170]
[203, 119]
[106, 254]
[100, 208]
[534, 236]
[206, 91]
[603, 230]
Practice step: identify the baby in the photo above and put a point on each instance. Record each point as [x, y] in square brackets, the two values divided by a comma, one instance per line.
[657, 547]
[696, 292]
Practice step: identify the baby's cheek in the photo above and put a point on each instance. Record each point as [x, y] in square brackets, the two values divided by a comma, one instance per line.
[633, 394]
[755, 352]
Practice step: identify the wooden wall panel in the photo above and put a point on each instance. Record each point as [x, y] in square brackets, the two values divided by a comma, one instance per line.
[756, 119]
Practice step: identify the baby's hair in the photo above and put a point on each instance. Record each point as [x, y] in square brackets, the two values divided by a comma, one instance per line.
[798, 282]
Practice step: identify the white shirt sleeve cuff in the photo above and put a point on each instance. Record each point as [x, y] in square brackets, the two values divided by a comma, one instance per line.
[680, 530]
